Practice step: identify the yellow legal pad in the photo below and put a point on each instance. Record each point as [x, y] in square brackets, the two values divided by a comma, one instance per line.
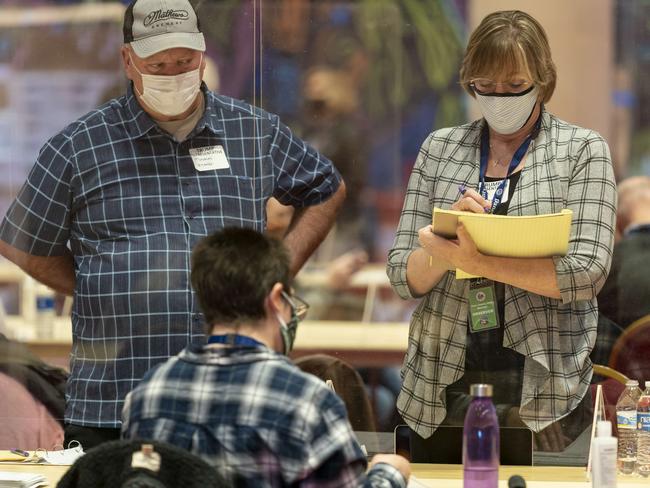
[528, 236]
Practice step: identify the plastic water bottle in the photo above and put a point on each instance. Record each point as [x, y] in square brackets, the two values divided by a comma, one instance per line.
[481, 440]
[44, 312]
[626, 423]
[643, 432]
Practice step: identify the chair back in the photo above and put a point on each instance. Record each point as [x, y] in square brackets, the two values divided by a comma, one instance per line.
[347, 384]
[608, 372]
[631, 352]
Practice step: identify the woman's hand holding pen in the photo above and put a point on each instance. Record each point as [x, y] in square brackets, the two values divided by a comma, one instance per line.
[471, 201]
[461, 252]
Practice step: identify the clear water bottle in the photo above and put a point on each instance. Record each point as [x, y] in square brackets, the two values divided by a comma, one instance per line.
[44, 312]
[481, 440]
[626, 423]
[643, 432]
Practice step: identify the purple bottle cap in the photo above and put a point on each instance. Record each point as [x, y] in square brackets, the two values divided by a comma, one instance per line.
[480, 390]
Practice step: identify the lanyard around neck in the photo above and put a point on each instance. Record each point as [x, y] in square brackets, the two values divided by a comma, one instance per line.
[516, 160]
[234, 340]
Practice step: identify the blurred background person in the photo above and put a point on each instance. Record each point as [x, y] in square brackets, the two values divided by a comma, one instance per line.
[332, 124]
[33, 399]
[625, 297]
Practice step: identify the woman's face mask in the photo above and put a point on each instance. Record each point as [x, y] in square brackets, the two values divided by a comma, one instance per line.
[506, 113]
[170, 95]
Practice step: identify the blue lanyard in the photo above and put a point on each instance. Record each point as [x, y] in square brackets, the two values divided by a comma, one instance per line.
[234, 340]
[516, 159]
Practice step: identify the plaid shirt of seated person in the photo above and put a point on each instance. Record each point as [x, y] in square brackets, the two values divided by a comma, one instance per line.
[255, 416]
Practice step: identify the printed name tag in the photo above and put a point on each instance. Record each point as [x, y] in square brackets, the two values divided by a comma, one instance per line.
[209, 158]
[491, 187]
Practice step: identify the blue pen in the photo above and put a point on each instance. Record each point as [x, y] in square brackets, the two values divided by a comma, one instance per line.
[20, 452]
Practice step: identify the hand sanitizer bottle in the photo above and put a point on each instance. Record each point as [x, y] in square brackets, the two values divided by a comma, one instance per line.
[603, 456]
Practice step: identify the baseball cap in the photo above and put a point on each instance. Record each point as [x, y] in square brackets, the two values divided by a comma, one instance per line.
[151, 26]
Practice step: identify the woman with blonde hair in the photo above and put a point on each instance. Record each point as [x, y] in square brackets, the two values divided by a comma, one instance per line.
[519, 159]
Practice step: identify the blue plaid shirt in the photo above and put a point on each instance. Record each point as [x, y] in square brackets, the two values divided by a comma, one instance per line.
[128, 201]
[253, 415]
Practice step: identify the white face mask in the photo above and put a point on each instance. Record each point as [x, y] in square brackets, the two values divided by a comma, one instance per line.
[170, 95]
[507, 114]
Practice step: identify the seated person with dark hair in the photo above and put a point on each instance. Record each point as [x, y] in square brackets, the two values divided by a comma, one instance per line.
[624, 296]
[239, 402]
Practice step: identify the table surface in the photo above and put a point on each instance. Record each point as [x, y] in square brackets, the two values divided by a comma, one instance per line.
[428, 475]
[330, 334]
[451, 475]
[361, 344]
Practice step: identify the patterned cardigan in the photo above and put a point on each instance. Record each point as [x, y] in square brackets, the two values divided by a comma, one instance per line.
[566, 167]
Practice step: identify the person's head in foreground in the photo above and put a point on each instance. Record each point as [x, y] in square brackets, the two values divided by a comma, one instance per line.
[238, 401]
[163, 56]
[508, 69]
[243, 285]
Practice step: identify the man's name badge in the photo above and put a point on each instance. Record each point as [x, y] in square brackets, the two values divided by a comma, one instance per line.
[209, 158]
[482, 306]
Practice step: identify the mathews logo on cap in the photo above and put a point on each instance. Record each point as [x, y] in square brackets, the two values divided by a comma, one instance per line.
[151, 26]
[165, 16]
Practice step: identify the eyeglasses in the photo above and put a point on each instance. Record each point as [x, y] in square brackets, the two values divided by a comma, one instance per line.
[299, 306]
[484, 86]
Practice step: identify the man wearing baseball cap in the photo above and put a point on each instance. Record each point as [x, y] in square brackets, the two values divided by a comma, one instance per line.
[163, 57]
[116, 201]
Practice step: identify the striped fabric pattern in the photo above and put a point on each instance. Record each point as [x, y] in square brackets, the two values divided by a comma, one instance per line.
[128, 201]
[567, 167]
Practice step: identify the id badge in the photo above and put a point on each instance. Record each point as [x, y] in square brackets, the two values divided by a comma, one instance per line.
[209, 158]
[482, 306]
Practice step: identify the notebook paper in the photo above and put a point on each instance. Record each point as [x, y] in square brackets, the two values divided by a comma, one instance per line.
[528, 236]
[10, 479]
